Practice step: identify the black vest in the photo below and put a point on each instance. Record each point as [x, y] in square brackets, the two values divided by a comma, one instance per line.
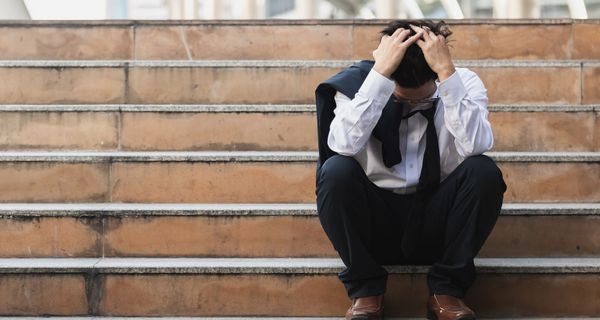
[348, 82]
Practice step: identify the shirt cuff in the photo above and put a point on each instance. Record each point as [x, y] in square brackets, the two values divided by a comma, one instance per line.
[452, 89]
[377, 86]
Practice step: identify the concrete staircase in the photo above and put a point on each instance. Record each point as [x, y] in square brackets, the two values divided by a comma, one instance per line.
[166, 169]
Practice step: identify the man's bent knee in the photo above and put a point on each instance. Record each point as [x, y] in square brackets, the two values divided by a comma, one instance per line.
[483, 171]
[339, 170]
[338, 182]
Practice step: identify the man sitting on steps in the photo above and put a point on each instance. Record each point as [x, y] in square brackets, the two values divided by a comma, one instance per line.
[401, 178]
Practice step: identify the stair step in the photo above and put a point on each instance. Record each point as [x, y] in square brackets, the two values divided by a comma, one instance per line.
[276, 265]
[258, 127]
[216, 176]
[257, 230]
[284, 287]
[39, 82]
[247, 209]
[278, 63]
[257, 108]
[274, 39]
[252, 156]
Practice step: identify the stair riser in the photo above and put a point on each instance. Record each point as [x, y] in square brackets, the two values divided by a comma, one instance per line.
[66, 43]
[247, 182]
[59, 130]
[497, 295]
[262, 236]
[327, 40]
[43, 294]
[522, 85]
[53, 85]
[513, 131]
[357, 42]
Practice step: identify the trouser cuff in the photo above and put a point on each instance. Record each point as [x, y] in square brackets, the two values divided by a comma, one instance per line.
[366, 287]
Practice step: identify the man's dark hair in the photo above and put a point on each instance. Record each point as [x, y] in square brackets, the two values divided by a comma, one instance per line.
[414, 71]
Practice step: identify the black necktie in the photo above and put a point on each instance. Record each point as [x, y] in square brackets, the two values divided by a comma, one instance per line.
[387, 131]
[430, 170]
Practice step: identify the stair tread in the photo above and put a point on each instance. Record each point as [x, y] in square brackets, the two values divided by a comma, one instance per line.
[248, 209]
[277, 265]
[490, 63]
[219, 156]
[271, 108]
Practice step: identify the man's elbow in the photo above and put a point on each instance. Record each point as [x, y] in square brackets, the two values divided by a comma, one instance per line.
[345, 150]
[474, 148]
[484, 147]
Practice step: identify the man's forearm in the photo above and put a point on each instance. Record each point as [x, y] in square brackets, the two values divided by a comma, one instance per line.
[355, 118]
[465, 113]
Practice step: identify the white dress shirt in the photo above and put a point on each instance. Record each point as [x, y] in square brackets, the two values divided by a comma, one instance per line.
[460, 120]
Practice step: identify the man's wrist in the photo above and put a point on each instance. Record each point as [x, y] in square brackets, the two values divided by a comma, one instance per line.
[377, 86]
[382, 71]
[446, 72]
[452, 90]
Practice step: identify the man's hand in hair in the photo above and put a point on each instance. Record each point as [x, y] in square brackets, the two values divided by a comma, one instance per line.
[436, 52]
[391, 49]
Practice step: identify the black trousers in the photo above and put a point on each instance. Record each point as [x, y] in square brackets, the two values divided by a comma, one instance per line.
[364, 223]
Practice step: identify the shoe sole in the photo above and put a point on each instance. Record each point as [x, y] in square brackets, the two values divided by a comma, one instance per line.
[365, 318]
[431, 316]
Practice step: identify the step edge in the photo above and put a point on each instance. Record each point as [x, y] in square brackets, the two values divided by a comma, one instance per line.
[250, 209]
[277, 266]
[264, 63]
[276, 22]
[251, 156]
[253, 108]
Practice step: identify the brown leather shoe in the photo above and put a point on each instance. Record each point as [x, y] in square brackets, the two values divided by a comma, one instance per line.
[366, 308]
[444, 307]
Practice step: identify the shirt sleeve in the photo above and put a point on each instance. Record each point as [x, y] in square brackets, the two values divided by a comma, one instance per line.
[356, 118]
[466, 116]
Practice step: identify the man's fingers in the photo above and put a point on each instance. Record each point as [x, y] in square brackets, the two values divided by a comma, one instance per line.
[397, 32]
[413, 39]
[426, 36]
[431, 34]
[387, 38]
[402, 36]
[416, 28]
[420, 43]
[384, 39]
[426, 32]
